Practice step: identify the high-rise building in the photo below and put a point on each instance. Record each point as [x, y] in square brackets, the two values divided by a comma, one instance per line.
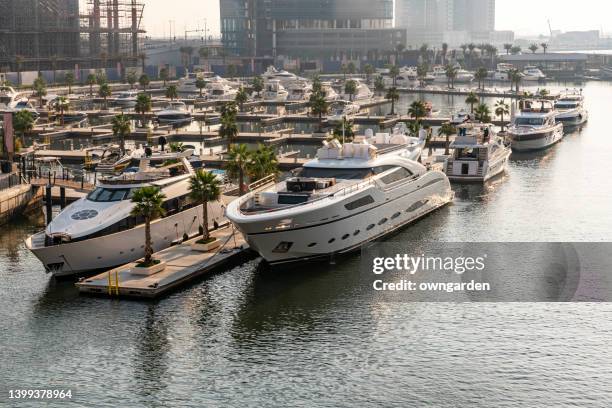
[445, 20]
[268, 28]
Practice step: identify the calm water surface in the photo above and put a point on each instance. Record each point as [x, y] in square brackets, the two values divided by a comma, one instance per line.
[311, 337]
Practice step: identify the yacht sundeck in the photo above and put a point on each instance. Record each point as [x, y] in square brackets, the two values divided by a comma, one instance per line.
[349, 195]
[479, 154]
[285, 78]
[174, 113]
[99, 232]
[534, 127]
[532, 73]
[342, 109]
[275, 91]
[570, 108]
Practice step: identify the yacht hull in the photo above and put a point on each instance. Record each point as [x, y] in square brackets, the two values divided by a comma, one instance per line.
[494, 169]
[574, 117]
[524, 142]
[109, 251]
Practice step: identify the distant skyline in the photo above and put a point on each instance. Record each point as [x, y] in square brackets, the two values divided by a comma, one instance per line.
[524, 17]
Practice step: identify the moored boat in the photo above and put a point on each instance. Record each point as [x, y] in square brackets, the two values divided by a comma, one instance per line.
[534, 127]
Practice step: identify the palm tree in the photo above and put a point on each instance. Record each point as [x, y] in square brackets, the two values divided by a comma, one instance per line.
[121, 128]
[544, 47]
[507, 47]
[471, 100]
[351, 68]
[379, 84]
[444, 52]
[422, 73]
[350, 88]
[447, 129]
[200, 83]
[105, 92]
[144, 81]
[319, 107]
[424, 52]
[237, 165]
[172, 92]
[392, 95]
[241, 98]
[501, 109]
[344, 70]
[515, 78]
[399, 49]
[19, 64]
[164, 75]
[451, 74]
[149, 205]
[131, 79]
[91, 81]
[143, 105]
[544, 93]
[62, 105]
[69, 80]
[515, 50]
[23, 122]
[417, 110]
[368, 70]
[176, 147]
[258, 85]
[40, 89]
[229, 128]
[204, 53]
[483, 113]
[143, 61]
[317, 86]
[481, 75]
[533, 48]
[344, 131]
[263, 163]
[232, 71]
[394, 73]
[204, 187]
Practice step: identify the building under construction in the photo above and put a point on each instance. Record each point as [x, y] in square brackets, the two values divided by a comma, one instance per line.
[61, 34]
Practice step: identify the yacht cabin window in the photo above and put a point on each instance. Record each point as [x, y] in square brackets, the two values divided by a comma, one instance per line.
[105, 195]
[342, 174]
[396, 175]
[529, 121]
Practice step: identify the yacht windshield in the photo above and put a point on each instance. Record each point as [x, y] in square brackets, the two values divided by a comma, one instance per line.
[105, 195]
[343, 174]
[529, 121]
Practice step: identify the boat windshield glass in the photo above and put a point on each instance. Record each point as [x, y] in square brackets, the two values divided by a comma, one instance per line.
[343, 174]
[566, 104]
[105, 195]
[529, 121]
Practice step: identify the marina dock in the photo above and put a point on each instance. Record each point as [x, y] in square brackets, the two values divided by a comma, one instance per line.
[182, 266]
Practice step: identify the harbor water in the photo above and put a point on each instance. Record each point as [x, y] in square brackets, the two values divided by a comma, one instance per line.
[309, 336]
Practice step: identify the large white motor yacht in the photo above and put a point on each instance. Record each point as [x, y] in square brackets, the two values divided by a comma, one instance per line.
[9, 98]
[126, 99]
[285, 78]
[532, 73]
[363, 91]
[479, 154]
[349, 195]
[534, 126]
[299, 91]
[187, 85]
[175, 113]
[330, 93]
[99, 232]
[275, 91]
[502, 73]
[340, 110]
[220, 91]
[570, 108]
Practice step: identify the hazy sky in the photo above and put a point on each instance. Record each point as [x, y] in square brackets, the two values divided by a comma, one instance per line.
[522, 16]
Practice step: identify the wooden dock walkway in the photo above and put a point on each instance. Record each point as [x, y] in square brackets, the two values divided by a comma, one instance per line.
[182, 266]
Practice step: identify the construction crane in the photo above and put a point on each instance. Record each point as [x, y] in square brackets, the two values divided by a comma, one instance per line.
[550, 29]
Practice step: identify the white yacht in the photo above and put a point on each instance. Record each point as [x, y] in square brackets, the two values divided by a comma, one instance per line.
[464, 76]
[363, 91]
[174, 113]
[479, 154]
[502, 73]
[299, 91]
[330, 93]
[534, 126]
[411, 73]
[460, 117]
[25, 104]
[342, 109]
[187, 85]
[570, 108]
[348, 196]
[126, 99]
[9, 98]
[285, 78]
[438, 73]
[532, 73]
[275, 91]
[220, 91]
[98, 232]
